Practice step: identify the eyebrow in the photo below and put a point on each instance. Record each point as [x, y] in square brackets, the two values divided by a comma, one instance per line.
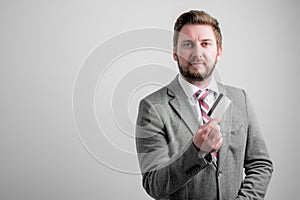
[203, 40]
[187, 40]
[206, 40]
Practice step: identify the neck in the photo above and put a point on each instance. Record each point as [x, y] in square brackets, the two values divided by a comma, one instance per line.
[200, 84]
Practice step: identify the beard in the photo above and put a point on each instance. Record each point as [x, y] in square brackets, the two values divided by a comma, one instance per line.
[196, 76]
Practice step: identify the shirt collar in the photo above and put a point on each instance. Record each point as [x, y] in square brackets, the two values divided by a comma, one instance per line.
[190, 89]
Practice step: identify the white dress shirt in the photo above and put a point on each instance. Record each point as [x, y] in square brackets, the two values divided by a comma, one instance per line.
[190, 90]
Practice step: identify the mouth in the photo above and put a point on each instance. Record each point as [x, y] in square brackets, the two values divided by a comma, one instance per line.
[197, 64]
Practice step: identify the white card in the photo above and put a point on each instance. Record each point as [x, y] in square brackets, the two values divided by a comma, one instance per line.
[219, 107]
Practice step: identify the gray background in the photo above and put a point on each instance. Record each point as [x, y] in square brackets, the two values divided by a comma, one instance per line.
[43, 47]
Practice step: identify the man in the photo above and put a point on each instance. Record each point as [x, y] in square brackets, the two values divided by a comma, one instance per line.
[183, 153]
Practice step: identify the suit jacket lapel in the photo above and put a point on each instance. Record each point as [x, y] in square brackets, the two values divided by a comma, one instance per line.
[179, 102]
[225, 130]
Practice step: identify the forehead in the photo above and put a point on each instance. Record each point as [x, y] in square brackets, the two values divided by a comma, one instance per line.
[197, 32]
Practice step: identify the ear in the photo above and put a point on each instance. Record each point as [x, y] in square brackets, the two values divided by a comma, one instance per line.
[219, 54]
[175, 57]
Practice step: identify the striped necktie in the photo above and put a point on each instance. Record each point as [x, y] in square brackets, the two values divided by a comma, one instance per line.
[204, 107]
[203, 102]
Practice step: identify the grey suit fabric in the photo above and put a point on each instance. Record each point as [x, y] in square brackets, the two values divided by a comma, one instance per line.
[169, 161]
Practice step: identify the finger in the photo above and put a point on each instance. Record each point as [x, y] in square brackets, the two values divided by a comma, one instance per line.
[207, 141]
[205, 129]
[214, 122]
[217, 120]
[212, 139]
[200, 136]
[218, 144]
[218, 127]
[214, 131]
[219, 130]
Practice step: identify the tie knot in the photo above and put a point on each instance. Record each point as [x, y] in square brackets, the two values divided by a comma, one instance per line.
[202, 94]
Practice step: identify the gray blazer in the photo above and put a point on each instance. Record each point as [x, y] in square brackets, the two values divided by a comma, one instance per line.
[169, 160]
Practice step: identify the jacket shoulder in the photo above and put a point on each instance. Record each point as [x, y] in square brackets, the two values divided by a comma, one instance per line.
[164, 94]
[234, 93]
[157, 96]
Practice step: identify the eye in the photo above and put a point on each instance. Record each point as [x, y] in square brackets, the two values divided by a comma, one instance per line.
[187, 44]
[205, 44]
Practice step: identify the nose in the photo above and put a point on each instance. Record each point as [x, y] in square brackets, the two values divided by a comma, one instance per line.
[198, 51]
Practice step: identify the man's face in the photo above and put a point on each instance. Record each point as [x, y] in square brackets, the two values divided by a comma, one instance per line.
[196, 52]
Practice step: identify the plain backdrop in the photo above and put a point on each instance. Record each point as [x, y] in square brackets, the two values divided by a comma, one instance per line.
[44, 45]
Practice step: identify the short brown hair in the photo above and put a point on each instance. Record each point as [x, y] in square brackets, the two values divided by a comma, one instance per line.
[197, 17]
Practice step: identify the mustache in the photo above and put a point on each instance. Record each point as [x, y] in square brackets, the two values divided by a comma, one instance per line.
[197, 60]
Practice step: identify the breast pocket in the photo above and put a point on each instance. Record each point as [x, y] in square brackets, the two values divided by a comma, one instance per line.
[237, 141]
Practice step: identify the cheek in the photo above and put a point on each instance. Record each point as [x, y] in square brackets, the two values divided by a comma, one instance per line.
[182, 60]
[211, 56]
[184, 55]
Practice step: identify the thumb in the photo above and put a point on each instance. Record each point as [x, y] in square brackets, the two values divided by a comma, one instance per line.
[216, 120]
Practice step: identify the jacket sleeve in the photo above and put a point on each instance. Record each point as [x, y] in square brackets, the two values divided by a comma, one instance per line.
[257, 164]
[162, 174]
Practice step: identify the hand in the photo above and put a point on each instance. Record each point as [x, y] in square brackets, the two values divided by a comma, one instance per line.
[208, 137]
